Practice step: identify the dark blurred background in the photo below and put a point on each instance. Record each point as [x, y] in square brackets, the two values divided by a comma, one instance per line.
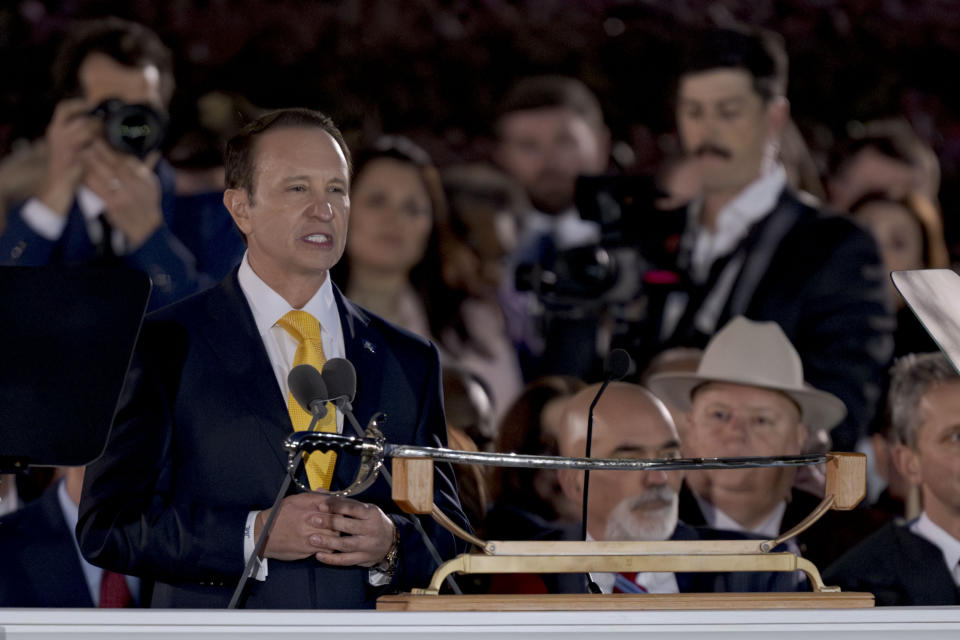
[434, 69]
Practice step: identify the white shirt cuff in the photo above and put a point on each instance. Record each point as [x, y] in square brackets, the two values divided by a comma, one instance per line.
[249, 542]
[43, 220]
[377, 578]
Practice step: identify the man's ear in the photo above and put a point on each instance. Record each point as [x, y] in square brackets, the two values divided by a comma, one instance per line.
[778, 115]
[237, 202]
[907, 463]
[571, 482]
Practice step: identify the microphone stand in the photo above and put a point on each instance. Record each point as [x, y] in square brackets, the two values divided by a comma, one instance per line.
[592, 586]
[254, 558]
[618, 365]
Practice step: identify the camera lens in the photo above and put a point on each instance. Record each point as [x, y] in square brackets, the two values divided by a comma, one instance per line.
[136, 129]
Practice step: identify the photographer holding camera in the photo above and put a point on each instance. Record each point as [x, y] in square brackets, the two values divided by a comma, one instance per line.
[106, 196]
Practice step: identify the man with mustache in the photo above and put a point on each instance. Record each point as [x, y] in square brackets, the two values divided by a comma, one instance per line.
[752, 246]
[629, 422]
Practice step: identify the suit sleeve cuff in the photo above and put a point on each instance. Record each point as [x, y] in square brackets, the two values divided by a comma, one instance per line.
[260, 569]
[42, 220]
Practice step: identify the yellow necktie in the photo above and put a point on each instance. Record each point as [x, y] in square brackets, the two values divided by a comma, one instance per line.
[305, 329]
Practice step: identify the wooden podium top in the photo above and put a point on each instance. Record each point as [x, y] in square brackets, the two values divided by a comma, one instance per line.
[625, 602]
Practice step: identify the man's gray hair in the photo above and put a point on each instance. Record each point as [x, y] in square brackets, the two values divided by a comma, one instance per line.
[910, 378]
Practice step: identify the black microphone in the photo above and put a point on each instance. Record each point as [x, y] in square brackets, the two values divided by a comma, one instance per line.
[308, 389]
[619, 364]
[341, 379]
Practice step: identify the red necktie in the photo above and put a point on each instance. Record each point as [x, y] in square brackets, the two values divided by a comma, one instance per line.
[114, 593]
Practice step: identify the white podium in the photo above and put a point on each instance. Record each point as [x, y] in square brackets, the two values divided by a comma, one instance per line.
[915, 623]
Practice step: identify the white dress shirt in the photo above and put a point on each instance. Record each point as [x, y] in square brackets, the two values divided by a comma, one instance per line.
[948, 545]
[768, 528]
[717, 519]
[50, 225]
[706, 246]
[651, 581]
[734, 221]
[92, 574]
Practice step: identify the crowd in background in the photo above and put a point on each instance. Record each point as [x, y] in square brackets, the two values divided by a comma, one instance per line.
[476, 236]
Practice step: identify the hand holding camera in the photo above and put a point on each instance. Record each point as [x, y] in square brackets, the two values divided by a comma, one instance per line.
[112, 149]
[68, 134]
[129, 189]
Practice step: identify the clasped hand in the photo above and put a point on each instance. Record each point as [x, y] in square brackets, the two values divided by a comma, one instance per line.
[337, 531]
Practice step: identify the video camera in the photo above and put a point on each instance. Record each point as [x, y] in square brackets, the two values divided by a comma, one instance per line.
[136, 129]
[635, 238]
[612, 293]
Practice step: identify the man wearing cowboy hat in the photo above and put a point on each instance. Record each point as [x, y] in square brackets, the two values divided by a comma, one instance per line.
[748, 398]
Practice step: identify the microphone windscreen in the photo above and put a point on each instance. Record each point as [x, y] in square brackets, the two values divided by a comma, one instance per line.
[341, 378]
[307, 386]
[619, 364]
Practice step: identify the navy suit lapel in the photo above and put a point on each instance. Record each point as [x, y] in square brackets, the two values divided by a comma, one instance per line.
[59, 558]
[930, 585]
[232, 334]
[364, 349]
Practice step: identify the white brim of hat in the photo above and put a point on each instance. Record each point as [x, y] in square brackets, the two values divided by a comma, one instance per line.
[818, 409]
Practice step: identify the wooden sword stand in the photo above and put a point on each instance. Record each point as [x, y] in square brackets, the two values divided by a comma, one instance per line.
[413, 492]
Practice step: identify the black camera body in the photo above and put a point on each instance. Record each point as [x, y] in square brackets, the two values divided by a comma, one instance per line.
[615, 289]
[136, 129]
[635, 237]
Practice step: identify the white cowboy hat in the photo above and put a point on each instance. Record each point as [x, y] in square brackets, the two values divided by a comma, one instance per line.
[755, 354]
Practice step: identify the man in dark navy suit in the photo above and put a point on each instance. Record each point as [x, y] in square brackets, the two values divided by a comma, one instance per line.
[195, 456]
[97, 204]
[629, 422]
[754, 246]
[42, 565]
[917, 562]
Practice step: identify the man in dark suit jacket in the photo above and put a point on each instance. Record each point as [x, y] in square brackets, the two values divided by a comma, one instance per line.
[918, 562]
[41, 563]
[748, 398]
[42, 566]
[755, 247]
[195, 455]
[97, 204]
[899, 567]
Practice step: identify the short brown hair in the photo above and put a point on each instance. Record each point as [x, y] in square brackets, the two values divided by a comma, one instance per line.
[759, 52]
[127, 43]
[911, 377]
[239, 158]
[544, 92]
